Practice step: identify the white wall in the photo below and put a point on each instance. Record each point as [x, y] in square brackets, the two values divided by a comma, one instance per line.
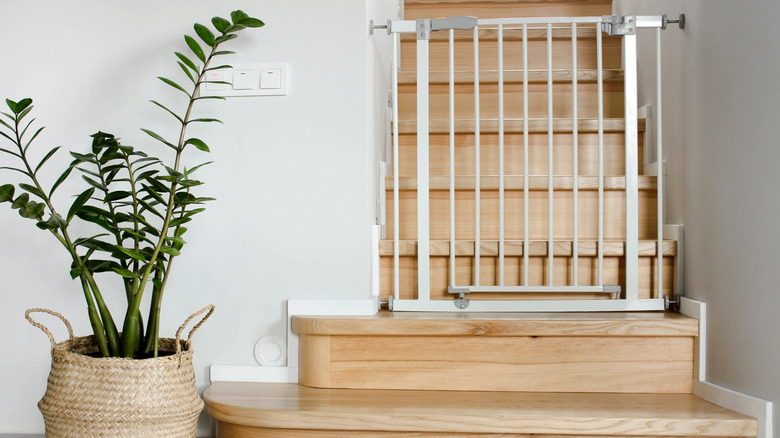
[291, 174]
[722, 74]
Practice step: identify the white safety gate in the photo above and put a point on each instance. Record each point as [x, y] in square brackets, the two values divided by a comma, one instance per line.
[465, 296]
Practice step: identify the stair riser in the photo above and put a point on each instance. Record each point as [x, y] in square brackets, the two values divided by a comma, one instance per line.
[438, 55]
[439, 155]
[587, 105]
[497, 9]
[439, 207]
[614, 274]
[542, 364]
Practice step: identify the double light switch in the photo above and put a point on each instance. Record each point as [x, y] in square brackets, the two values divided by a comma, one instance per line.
[247, 80]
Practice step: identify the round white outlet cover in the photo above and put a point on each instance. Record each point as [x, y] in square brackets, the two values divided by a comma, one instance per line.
[270, 351]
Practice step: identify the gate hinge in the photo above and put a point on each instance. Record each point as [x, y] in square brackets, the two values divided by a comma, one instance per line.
[619, 25]
[461, 302]
[424, 26]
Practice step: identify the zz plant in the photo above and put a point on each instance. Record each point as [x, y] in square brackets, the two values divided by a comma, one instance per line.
[137, 203]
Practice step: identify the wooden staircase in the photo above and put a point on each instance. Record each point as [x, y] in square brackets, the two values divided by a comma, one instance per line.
[508, 375]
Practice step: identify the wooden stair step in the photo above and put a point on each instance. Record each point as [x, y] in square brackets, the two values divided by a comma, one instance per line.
[414, 9]
[489, 248]
[500, 324]
[516, 182]
[511, 76]
[245, 410]
[511, 33]
[466, 126]
[569, 352]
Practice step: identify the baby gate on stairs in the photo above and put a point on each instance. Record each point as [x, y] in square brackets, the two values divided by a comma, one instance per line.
[466, 296]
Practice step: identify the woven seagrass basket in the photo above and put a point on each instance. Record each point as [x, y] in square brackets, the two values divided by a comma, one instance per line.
[118, 397]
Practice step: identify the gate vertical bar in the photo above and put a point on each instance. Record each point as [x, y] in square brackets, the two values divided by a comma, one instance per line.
[477, 156]
[632, 171]
[575, 159]
[526, 200]
[659, 165]
[500, 155]
[396, 168]
[600, 110]
[550, 168]
[452, 156]
[423, 128]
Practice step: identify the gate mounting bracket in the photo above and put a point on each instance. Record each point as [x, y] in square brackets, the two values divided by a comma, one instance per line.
[619, 25]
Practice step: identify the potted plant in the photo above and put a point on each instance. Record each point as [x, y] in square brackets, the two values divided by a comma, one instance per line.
[137, 207]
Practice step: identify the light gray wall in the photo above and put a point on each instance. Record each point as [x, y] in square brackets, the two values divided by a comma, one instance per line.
[292, 174]
[722, 73]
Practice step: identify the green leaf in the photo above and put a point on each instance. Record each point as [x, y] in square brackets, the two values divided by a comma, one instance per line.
[22, 105]
[158, 138]
[195, 47]
[34, 190]
[170, 251]
[187, 61]
[46, 158]
[238, 15]
[126, 273]
[174, 85]
[79, 202]
[166, 109]
[220, 23]
[94, 183]
[205, 120]
[12, 105]
[225, 37]
[178, 221]
[186, 72]
[198, 143]
[29, 142]
[116, 196]
[235, 28]
[251, 22]
[133, 254]
[23, 113]
[205, 34]
[6, 193]
[224, 52]
[76, 273]
[20, 201]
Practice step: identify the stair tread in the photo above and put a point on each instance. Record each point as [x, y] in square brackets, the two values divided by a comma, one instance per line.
[466, 126]
[510, 76]
[500, 324]
[516, 182]
[291, 406]
[537, 248]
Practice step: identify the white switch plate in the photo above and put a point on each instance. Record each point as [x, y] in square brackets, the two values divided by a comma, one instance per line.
[253, 88]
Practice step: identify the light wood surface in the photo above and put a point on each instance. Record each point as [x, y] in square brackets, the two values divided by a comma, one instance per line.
[487, 126]
[439, 151]
[439, 101]
[387, 323]
[613, 272]
[510, 76]
[540, 364]
[493, 9]
[516, 182]
[438, 54]
[537, 248]
[563, 226]
[293, 407]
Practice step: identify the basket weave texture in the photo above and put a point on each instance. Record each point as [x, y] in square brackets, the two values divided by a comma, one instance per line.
[118, 397]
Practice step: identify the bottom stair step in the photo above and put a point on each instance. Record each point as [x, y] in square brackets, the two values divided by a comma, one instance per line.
[244, 410]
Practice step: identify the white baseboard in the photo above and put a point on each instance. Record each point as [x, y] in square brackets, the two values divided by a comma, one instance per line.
[729, 399]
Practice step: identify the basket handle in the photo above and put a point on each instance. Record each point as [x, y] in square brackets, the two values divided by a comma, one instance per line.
[46, 330]
[210, 308]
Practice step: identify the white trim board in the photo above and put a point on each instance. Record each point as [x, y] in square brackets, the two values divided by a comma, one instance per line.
[729, 399]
